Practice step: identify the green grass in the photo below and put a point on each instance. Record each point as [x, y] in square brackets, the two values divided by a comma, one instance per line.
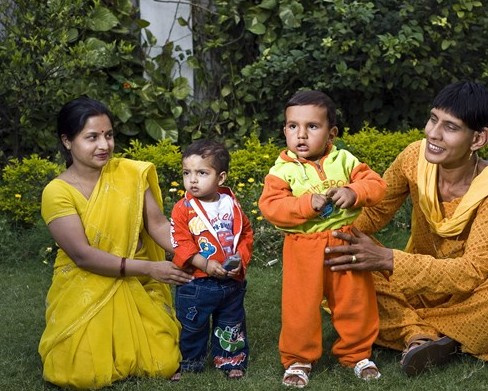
[25, 281]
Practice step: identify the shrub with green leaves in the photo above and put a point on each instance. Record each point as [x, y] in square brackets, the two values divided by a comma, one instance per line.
[381, 61]
[165, 156]
[59, 50]
[252, 161]
[167, 159]
[378, 148]
[22, 185]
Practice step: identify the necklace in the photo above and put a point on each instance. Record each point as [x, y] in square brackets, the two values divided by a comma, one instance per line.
[79, 185]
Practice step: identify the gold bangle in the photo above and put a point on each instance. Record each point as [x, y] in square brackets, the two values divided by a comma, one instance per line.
[122, 267]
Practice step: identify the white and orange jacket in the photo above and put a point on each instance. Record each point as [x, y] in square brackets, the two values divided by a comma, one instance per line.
[192, 233]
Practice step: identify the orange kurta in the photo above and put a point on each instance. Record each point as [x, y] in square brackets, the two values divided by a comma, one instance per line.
[439, 287]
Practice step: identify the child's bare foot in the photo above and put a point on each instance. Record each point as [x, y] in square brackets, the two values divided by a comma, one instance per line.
[366, 370]
[235, 374]
[176, 377]
[296, 375]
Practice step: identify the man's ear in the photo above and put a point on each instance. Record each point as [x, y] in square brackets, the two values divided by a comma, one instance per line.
[222, 177]
[480, 139]
[333, 134]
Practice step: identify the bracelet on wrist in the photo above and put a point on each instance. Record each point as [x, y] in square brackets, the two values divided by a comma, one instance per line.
[122, 267]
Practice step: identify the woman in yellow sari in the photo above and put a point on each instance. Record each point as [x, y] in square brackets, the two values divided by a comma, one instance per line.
[109, 311]
[434, 302]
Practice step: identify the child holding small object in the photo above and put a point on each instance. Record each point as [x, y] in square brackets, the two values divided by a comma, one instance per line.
[211, 234]
[313, 189]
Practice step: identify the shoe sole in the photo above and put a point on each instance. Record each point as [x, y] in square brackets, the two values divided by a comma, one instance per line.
[429, 354]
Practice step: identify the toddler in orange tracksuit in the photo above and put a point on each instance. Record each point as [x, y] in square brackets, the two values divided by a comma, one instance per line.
[313, 189]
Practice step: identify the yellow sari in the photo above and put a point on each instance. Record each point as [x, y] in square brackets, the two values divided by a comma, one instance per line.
[101, 329]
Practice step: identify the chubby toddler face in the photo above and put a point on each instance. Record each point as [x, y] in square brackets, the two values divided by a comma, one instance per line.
[307, 131]
[201, 179]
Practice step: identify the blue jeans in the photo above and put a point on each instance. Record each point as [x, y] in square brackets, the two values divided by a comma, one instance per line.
[223, 300]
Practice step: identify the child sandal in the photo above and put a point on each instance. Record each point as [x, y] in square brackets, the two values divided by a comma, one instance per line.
[299, 370]
[365, 364]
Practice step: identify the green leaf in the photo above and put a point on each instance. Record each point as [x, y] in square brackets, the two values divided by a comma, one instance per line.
[445, 44]
[291, 15]
[161, 128]
[99, 53]
[182, 21]
[72, 35]
[128, 130]
[267, 4]
[341, 67]
[181, 89]
[215, 106]
[226, 90]
[176, 111]
[122, 111]
[241, 120]
[257, 28]
[142, 23]
[102, 20]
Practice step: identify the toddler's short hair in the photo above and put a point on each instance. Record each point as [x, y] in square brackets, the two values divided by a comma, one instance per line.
[315, 98]
[210, 148]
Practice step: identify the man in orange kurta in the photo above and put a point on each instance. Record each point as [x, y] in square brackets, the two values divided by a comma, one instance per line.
[439, 286]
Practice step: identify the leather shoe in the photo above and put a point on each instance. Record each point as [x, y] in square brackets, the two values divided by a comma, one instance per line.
[429, 354]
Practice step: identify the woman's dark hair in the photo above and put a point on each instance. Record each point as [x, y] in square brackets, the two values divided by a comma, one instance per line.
[315, 98]
[72, 119]
[209, 148]
[465, 100]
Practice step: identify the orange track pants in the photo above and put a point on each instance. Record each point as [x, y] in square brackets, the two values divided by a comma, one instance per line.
[350, 295]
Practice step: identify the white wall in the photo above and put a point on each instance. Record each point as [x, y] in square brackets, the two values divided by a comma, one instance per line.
[162, 16]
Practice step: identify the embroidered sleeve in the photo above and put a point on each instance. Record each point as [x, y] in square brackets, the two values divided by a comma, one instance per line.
[397, 178]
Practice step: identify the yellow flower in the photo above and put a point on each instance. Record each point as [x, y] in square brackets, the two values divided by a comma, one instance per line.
[172, 190]
[254, 211]
[259, 218]
[240, 184]
[18, 196]
[251, 180]
[180, 193]
[174, 183]
[255, 203]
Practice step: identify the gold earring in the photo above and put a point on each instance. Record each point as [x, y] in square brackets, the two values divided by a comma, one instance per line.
[470, 155]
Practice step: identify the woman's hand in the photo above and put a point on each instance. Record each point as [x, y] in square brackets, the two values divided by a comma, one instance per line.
[169, 273]
[362, 253]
